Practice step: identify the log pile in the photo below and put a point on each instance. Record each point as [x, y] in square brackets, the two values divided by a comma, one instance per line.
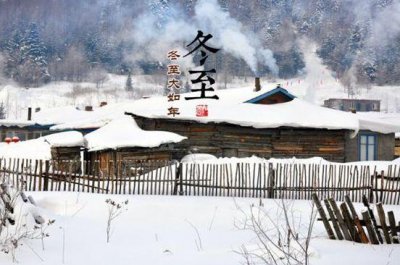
[343, 222]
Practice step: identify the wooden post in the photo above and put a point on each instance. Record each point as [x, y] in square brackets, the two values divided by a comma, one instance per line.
[350, 223]
[323, 216]
[373, 219]
[382, 219]
[271, 181]
[356, 219]
[333, 220]
[46, 176]
[340, 219]
[178, 181]
[370, 229]
[393, 229]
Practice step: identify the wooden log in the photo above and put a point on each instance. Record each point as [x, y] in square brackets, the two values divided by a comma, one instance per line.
[382, 219]
[393, 229]
[373, 219]
[31, 200]
[356, 219]
[333, 220]
[323, 216]
[23, 196]
[339, 217]
[350, 223]
[371, 231]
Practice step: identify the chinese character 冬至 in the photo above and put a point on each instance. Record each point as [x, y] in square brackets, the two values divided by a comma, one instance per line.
[202, 40]
[203, 91]
[173, 69]
[173, 55]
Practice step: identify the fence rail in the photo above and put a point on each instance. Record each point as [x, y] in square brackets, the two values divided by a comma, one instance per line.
[265, 180]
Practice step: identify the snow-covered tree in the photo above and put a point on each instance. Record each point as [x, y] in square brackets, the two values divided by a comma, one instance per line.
[128, 84]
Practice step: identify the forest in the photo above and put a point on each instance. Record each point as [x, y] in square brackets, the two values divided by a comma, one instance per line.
[72, 40]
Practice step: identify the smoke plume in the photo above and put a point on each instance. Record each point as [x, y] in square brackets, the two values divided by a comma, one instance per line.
[155, 39]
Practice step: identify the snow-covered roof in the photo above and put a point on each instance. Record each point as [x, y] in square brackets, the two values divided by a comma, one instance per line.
[65, 139]
[16, 123]
[70, 118]
[380, 121]
[231, 109]
[124, 132]
[40, 148]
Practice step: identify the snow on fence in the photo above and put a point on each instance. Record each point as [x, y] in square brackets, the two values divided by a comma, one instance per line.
[257, 179]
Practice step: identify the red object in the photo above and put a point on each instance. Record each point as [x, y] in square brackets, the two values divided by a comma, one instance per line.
[7, 140]
[202, 110]
[15, 139]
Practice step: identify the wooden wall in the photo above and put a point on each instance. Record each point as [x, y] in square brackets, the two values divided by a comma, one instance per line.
[229, 140]
[107, 158]
[397, 148]
[63, 157]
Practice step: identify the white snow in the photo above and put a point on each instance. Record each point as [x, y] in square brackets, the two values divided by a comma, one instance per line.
[194, 158]
[17, 123]
[40, 148]
[124, 132]
[163, 230]
[231, 109]
[65, 139]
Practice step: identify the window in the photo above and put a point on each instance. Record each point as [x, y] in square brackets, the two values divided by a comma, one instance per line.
[367, 147]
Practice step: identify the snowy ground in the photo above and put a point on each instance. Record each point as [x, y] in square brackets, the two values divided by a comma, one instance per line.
[162, 230]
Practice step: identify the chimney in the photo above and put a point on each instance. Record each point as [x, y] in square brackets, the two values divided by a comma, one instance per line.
[29, 114]
[88, 108]
[103, 103]
[258, 84]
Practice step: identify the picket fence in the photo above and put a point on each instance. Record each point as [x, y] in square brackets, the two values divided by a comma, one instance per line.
[258, 180]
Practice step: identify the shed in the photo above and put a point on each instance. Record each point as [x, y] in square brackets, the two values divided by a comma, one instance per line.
[122, 140]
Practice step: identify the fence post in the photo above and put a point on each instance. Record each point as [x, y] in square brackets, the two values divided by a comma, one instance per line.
[178, 180]
[46, 175]
[371, 188]
[271, 181]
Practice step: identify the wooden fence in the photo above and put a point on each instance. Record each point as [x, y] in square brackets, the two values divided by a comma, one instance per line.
[264, 180]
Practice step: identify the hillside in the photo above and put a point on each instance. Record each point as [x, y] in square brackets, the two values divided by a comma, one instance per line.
[315, 86]
[80, 41]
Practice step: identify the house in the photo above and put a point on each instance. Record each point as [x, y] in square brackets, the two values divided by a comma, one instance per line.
[23, 129]
[123, 141]
[397, 145]
[347, 104]
[49, 121]
[246, 122]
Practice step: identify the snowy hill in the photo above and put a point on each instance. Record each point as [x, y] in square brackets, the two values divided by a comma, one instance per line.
[316, 85]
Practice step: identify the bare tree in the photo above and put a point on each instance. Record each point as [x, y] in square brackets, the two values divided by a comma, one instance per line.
[98, 75]
[282, 238]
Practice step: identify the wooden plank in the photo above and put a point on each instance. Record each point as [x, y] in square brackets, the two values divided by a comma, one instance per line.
[350, 223]
[382, 219]
[373, 219]
[371, 231]
[323, 216]
[339, 234]
[339, 217]
[393, 229]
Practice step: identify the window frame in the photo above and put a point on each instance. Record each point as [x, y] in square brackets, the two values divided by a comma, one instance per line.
[367, 135]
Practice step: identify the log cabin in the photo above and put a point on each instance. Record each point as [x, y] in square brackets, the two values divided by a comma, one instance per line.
[267, 123]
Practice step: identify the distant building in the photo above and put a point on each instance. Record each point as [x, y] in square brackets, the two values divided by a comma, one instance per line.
[346, 104]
